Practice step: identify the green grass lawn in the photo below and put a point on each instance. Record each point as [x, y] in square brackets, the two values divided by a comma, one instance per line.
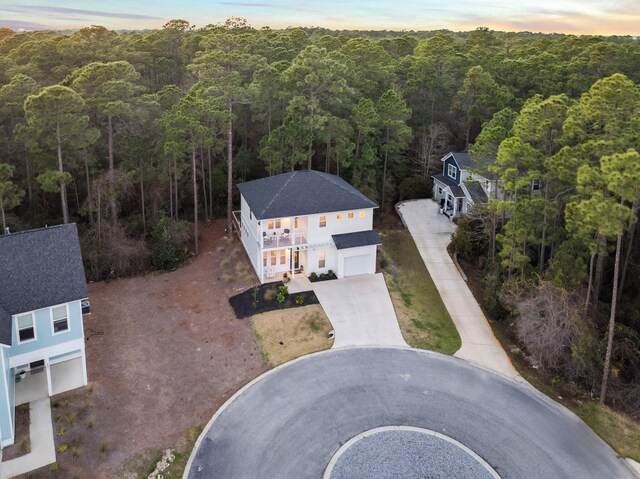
[423, 318]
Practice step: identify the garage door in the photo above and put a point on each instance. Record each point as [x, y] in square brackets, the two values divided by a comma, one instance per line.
[354, 265]
[66, 375]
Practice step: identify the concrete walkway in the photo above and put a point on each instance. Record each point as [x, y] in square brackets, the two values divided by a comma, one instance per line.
[431, 232]
[360, 310]
[43, 450]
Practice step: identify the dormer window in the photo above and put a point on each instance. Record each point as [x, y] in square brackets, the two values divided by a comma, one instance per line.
[451, 171]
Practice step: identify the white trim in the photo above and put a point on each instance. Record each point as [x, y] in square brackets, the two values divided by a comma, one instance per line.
[66, 357]
[10, 440]
[66, 305]
[39, 354]
[455, 170]
[33, 322]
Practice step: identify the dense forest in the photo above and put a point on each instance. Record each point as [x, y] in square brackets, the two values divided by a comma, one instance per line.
[137, 136]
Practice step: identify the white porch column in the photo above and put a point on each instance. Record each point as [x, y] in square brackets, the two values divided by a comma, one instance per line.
[260, 235]
[84, 367]
[47, 368]
[455, 207]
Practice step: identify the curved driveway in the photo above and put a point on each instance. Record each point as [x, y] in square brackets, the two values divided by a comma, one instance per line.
[432, 232]
[291, 421]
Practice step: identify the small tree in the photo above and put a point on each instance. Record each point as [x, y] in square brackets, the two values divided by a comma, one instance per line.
[10, 194]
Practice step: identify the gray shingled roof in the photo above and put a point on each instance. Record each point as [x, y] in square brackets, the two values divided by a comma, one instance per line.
[301, 193]
[359, 238]
[39, 268]
[477, 193]
[464, 160]
[456, 190]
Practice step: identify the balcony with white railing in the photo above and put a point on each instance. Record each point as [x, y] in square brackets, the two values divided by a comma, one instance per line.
[283, 239]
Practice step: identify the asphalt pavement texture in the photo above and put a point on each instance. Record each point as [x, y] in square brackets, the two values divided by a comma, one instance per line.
[290, 422]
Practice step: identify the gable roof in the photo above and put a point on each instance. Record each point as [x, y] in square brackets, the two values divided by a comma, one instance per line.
[455, 189]
[359, 238]
[39, 268]
[301, 193]
[476, 192]
[464, 161]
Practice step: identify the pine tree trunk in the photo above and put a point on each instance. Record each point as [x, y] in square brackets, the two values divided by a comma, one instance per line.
[384, 170]
[4, 221]
[589, 286]
[627, 255]
[144, 217]
[204, 185]
[230, 172]
[89, 192]
[112, 187]
[63, 187]
[544, 230]
[612, 322]
[210, 181]
[170, 191]
[195, 198]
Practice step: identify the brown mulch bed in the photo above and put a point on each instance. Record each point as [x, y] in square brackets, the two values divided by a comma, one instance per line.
[22, 444]
[164, 351]
[256, 300]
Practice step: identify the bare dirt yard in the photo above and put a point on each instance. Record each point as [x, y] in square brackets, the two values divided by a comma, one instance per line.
[164, 351]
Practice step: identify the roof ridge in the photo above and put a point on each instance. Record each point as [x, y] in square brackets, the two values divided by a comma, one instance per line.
[330, 177]
[273, 198]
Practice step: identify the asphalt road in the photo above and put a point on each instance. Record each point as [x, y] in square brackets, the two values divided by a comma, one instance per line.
[290, 422]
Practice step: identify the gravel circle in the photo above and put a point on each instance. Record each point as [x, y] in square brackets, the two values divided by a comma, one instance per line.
[409, 455]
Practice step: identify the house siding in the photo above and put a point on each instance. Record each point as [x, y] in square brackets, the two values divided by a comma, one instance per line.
[44, 330]
[445, 170]
[249, 232]
[7, 395]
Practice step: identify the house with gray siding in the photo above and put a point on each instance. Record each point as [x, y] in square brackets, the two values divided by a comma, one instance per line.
[42, 286]
[306, 222]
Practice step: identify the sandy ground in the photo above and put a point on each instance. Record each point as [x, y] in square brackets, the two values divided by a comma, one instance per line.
[164, 351]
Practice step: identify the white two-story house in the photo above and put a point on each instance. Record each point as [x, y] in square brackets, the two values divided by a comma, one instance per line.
[42, 288]
[306, 222]
[463, 183]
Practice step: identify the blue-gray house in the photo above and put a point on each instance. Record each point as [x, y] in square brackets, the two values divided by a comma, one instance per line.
[463, 183]
[42, 285]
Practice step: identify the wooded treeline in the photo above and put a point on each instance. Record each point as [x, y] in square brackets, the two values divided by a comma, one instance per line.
[131, 134]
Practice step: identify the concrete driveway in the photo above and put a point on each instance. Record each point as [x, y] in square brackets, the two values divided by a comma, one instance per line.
[431, 232]
[291, 421]
[360, 310]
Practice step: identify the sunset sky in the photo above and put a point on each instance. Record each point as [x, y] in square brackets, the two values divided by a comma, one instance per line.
[564, 16]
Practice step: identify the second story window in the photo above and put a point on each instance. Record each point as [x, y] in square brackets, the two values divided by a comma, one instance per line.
[323, 221]
[451, 171]
[350, 215]
[26, 328]
[60, 319]
[536, 184]
[361, 214]
[339, 216]
[278, 224]
[270, 224]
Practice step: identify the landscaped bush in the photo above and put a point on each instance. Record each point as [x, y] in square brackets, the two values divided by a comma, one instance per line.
[313, 276]
[415, 187]
[300, 299]
[169, 243]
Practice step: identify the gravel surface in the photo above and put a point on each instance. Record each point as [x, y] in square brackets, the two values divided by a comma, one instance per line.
[407, 454]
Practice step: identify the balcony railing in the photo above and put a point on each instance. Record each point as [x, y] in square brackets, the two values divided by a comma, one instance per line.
[282, 241]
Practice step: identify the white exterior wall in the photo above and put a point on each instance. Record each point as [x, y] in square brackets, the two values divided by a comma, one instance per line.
[317, 238]
[250, 234]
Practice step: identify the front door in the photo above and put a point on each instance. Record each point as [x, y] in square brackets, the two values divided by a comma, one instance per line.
[296, 259]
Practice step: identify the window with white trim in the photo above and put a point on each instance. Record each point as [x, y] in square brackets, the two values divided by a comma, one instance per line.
[536, 184]
[60, 319]
[283, 256]
[451, 171]
[278, 224]
[339, 216]
[321, 259]
[273, 257]
[350, 215]
[361, 214]
[26, 328]
[323, 221]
